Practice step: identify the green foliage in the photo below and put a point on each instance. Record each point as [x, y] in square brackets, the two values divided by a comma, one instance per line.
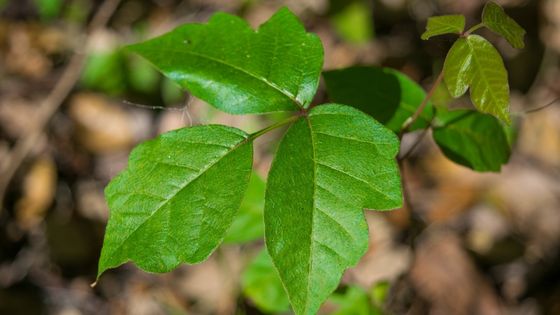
[355, 301]
[473, 62]
[238, 70]
[472, 139]
[261, 284]
[496, 20]
[445, 24]
[248, 225]
[177, 198]
[386, 94]
[353, 20]
[48, 9]
[316, 228]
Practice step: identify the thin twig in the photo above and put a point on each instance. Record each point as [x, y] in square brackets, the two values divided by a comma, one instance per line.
[536, 109]
[420, 108]
[52, 102]
[413, 147]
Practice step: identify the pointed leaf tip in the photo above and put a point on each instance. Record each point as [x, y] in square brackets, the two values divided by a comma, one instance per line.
[445, 24]
[495, 18]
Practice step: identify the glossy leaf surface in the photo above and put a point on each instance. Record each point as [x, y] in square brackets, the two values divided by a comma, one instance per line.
[237, 69]
[177, 197]
[329, 166]
[473, 62]
[472, 139]
[386, 94]
[495, 19]
[445, 24]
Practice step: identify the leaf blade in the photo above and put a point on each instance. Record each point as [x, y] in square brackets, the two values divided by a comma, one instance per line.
[473, 62]
[313, 230]
[496, 20]
[238, 70]
[463, 138]
[191, 177]
[386, 94]
[445, 24]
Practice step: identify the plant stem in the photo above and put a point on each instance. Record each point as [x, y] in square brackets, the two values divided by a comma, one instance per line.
[420, 108]
[472, 29]
[536, 109]
[274, 126]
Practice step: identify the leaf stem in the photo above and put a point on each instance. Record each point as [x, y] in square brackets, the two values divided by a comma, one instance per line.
[472, 29]
[420, 108]
[274, 126]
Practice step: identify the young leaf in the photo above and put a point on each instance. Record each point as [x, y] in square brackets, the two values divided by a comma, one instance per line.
[248, 224]
[474, 62]
[445, 24]
[261, 283]
[472, 139]
[329, 166]
[495, 19]
[238, 70]
[386, 94]
[177, 197]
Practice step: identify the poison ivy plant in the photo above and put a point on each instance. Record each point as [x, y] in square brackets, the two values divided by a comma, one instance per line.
[316, 229]
[445, 24]
[386, 94]
[496, 20]
[179, 197]
[473, 62]
[463, 137]
[237, 69]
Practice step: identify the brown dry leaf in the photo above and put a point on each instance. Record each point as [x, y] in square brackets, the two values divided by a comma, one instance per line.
[540, 136]
[39, 186]
[530, 199]
[102, 126]
[23, 57]
[15, 114]
[443, 275]
[385, 260]
[213, 284]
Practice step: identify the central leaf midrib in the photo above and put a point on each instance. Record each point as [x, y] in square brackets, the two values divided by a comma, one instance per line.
[180, 188]
[480, 72]
[312, 237]
[223, 62]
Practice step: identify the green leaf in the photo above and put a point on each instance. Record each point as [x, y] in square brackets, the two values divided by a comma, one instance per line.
[330, 165]
[48, 9]
[472, 139]
[474, 62]
[354, 21]
[445, 24]
[238, 70]
[105, 72]
[177, 197]
[355, 301]
[386, 94]
[261, 283]
[495, 19]
[248, 225]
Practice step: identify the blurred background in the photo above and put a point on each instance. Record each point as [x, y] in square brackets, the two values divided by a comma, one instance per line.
[73, 104]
